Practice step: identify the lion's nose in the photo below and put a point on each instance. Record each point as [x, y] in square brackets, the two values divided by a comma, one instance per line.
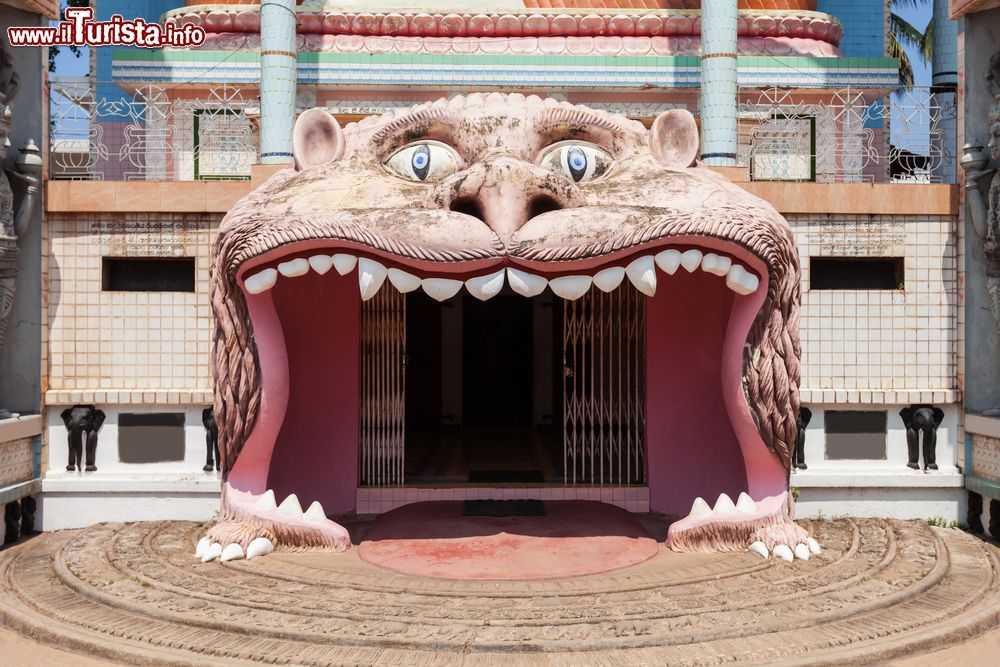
[506, 192]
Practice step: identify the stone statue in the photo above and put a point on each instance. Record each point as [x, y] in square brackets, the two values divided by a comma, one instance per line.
[477, 192]
[211, 440]
[923, 419]
[985, 211]
[13, 222]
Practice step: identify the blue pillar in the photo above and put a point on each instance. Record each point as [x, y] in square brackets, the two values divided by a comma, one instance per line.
[718, 98]
[277, 80]
[944, 91]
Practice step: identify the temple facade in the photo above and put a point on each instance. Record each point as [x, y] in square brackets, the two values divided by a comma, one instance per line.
[797, 102]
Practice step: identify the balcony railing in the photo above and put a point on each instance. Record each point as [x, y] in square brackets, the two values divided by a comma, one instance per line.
[100, 131]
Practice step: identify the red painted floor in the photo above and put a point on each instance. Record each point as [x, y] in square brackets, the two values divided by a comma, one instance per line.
[577, 537]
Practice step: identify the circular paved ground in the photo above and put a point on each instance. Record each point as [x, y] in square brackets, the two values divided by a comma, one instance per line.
[574, 538]
[135, 594]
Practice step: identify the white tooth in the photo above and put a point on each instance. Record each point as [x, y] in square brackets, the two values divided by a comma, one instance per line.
[258, 547]
[315, 513]
[290, 506]
[691, 259]
[668, 261]
[724, 505]
[321, 263]
[642, 273]
[608, 279]
[266, 501]
[485, 287]
[344, 263]
[213, 551]
[745, 504]
[441, 289]
[716, 264]
[783, 552]
[294, 268]
[203, 544]
[813, 546]
[403, 281]
[371, 275]
[571, 287]
[741, 281]
[759, 549]
[261, 282]
[231, 552]
[699, 508]
[526, 284]
[801, 552]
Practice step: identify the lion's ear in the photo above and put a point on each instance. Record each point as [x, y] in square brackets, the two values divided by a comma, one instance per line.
[316, 139]
[673, 139]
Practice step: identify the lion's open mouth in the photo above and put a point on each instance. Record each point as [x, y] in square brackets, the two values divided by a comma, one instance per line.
[305, 303]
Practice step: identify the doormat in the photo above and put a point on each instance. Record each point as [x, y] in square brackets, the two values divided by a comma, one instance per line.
[498, 508]
[506, 477]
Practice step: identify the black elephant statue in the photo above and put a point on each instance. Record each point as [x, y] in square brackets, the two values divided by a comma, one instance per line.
[922, 419]
[801, 422]
[211, 440]
[12, 522]
[28, 508]
[82, 421]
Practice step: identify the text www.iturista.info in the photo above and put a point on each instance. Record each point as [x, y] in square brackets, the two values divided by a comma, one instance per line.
[79, 30]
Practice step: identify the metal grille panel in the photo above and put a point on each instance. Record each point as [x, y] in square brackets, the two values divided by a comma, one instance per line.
[383, 405]
[604, 388]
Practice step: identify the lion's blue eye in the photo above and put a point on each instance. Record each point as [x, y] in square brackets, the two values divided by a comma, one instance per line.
[576, 160]
[424, 161]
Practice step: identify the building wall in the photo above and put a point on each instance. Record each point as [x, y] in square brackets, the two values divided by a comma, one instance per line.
[864, 26]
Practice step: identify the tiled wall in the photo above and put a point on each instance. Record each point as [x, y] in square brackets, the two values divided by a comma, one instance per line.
[881, 346]
[864, 25]
[127, 347]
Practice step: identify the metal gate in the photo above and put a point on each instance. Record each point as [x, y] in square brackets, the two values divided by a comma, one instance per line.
[383, 382]
[604, 388]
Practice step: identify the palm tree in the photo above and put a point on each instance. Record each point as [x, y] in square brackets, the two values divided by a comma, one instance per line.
[903, 34]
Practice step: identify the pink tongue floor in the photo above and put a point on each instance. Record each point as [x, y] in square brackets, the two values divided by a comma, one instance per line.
[433, 539]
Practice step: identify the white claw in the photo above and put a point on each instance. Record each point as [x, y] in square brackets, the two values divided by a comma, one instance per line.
[203, 545]
[759, 549]
[344, 263]
[315, 513]
[570, 288]
[371, 275]
[403, 282]
[609, 279]
[294, 268]
[745, 504]
[668, 261]
[213, 551]
[485, 287]
[813, 546]
[266, 502]
[321, 263]
[699, 508]
[783, 552]
[691, 259]
[716, 264]
[801, 551]
[261, 281]
[724, 505]
[526, 284]
[231, 552]
[642, 273]
[441, 289]
[258, 547]
[290, 506]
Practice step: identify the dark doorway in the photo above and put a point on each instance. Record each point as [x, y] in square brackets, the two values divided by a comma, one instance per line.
[496, 371]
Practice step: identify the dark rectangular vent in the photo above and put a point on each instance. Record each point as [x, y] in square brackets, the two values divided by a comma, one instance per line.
[855, 434]
[147, 274]
[856, 273]
[150, 437]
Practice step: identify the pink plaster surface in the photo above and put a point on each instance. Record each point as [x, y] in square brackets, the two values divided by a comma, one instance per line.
[433, 539]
